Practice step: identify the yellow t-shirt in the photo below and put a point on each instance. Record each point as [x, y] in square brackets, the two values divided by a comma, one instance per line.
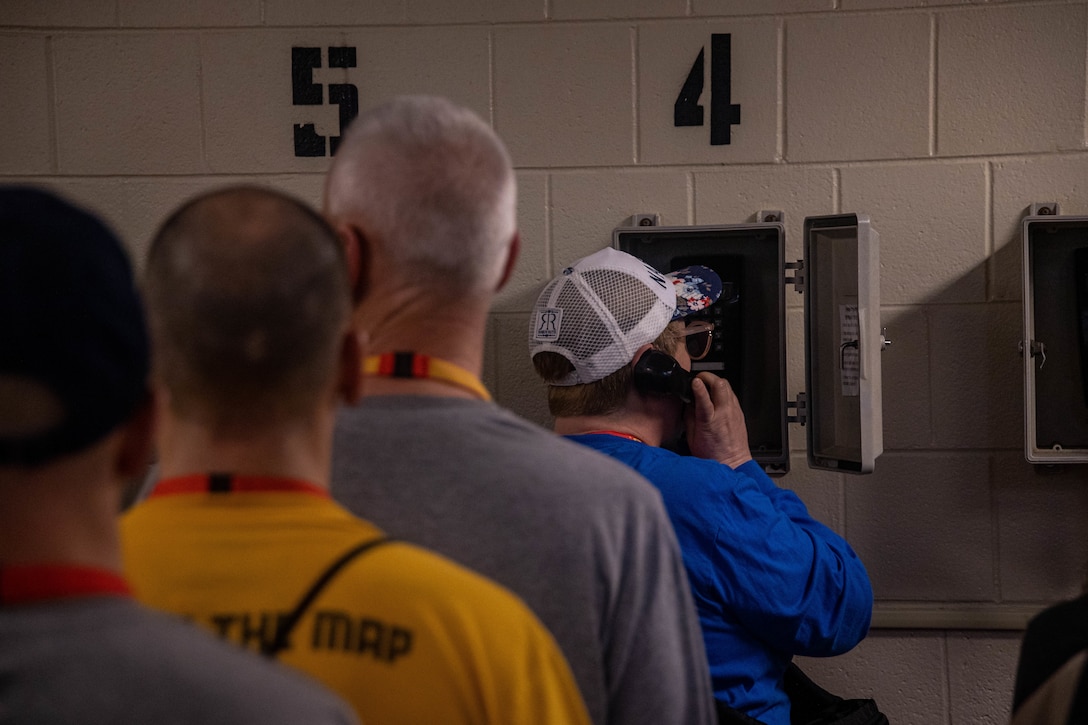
[404, 635]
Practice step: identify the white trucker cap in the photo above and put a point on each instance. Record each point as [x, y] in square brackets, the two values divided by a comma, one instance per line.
[599, 311]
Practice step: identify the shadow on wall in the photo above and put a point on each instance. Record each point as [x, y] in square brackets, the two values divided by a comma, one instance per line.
[921, 678]
[953, 513]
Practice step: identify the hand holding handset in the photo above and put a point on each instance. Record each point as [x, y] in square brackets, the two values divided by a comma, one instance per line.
[715, 422]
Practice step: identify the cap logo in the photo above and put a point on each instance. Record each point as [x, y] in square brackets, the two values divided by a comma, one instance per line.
[546, 327]
[656, 276]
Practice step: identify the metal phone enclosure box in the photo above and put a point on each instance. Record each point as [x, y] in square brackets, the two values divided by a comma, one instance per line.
[842, 405]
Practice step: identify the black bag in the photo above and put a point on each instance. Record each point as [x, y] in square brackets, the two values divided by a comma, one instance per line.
[729, 716]
[811, 704]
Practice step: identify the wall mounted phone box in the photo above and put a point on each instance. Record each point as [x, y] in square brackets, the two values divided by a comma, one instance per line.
[1055, 341]
[840, 279]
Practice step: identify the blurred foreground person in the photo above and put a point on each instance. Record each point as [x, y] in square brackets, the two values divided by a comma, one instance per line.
[249, 308]
[75, 427]
[1051, 674]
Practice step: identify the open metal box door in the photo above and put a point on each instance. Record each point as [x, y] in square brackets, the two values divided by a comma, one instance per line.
[1055, 344]
[843, 342]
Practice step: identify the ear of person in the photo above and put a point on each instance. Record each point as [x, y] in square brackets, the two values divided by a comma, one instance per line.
[136, 445]
[352, 350]
[512, 252]
[357, 253]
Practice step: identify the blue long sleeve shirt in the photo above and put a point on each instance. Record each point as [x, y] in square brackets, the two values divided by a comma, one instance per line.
[769, 581]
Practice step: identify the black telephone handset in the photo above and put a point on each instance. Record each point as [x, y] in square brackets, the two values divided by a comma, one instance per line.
[658, 373]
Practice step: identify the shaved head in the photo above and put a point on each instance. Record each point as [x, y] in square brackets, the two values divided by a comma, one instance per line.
[247, 295]
[432, 185]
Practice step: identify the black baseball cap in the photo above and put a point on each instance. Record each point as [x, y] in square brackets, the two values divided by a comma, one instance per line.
[71, 321]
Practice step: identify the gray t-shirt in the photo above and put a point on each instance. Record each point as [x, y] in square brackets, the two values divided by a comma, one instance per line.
[105, 660]
[582, 539]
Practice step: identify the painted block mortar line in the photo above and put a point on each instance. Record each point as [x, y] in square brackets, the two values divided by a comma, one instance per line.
[818, 164]
[946, 681]
[711, 17]
[224, 176]
[548, 243]
[635, 152]
[112, 31]
[262, 23]
[995, 527]
[1085, 116]
[999, 587]
[842, 510]
[51, 101]
[337, 27]
[933, 99]
[780, 97]
[995, 534]
[499, 315]
[928, 327]
[818, 14]
[690, 177]
[187, 28]
[988, 231]
[836, 190]
[491, 75]
[907, 160]
[200, 103]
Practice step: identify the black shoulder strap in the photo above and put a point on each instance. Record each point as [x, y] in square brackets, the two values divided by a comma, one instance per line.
[287, 624]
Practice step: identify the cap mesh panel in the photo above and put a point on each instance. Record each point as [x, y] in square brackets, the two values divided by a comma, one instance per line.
[582, 331]
[626, 298]
[594, 346]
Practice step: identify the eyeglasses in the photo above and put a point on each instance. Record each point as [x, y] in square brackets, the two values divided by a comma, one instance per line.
[697, 336]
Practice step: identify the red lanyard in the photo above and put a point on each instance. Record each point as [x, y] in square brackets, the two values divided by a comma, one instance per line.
[616, 433]
[20, 584]
[411, 365]
[230, 483]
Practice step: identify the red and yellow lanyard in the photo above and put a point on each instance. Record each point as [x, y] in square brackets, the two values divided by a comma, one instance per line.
[411, 365]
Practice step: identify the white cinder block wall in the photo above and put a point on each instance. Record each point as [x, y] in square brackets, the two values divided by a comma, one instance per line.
[941, 119]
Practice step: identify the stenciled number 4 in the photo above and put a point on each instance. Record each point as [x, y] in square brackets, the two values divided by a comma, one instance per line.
[687, 110]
